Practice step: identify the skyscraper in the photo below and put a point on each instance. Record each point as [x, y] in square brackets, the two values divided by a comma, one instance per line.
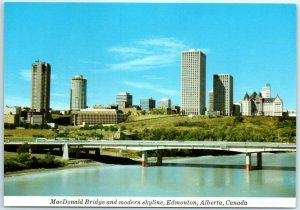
[223, 93]
[210, 107]
[123, 98]
[193, 82]
[266, 91]
[78, 93]
[164, 103]
[40, 86]
[147, 104]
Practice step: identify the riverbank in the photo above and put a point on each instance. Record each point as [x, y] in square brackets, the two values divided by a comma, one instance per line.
[103, 160]
[41, 170]
[108, 157]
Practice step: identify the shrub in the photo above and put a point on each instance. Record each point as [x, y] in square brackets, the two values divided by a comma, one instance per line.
[11, 164]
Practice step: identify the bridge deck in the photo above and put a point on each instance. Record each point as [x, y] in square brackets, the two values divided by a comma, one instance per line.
[143, 145]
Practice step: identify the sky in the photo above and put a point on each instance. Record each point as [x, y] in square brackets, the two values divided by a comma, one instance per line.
[136, 48]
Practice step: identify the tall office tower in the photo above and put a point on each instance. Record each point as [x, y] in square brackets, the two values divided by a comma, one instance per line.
[123, 99]
[266, 91]
[40, 86]
[223, 93]
[164, 103]
[147, 104]
[193, 82]
[210, 101]
[78, 93]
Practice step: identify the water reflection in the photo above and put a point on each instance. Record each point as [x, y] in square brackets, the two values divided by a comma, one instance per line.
[192, 177]
[203, 165]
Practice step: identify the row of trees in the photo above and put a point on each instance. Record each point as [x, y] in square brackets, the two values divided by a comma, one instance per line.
[24, 160]
[26, 126]
[226, 133]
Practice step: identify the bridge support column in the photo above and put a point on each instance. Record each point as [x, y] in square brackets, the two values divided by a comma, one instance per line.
[159, 158]
[144, 158]
[87, 152]
[65, 152]
[97, 152]
[259, 160]
[77, 153]
[248, 161]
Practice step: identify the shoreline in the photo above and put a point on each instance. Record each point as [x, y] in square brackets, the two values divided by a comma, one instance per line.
[43, 170]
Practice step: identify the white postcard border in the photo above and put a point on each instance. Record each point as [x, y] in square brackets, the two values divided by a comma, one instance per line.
[159, 202]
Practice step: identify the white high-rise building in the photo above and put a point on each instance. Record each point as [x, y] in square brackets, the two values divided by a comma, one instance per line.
[164, 103]
[210, 107]
[78, 93]
[193, 82]
[266, 91]
[223, 93]
[40, 86]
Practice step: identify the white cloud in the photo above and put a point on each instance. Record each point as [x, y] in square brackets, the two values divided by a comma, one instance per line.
[147, 54]
[129, 51]
[163, 43]
[149, 86]
[25, 74]
[152, 77]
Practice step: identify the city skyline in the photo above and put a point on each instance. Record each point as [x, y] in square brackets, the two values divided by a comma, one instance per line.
[104, 45]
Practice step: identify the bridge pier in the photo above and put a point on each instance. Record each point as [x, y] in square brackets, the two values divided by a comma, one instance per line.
[159, 157]
[65, 152]
[87, 152]
[77, 153]
[248, 161]
[144, 158]
[97, 152]
[259, 160]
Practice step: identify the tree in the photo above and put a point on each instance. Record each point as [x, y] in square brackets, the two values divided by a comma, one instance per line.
[48, 161]
[23, 148]
[237, 119]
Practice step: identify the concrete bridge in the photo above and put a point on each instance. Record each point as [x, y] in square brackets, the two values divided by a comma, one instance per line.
[247, 148]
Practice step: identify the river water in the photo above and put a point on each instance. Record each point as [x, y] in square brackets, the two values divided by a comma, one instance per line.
[207, 176]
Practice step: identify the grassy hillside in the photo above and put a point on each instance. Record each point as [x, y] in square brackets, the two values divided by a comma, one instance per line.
[174, 127]
[275, 129]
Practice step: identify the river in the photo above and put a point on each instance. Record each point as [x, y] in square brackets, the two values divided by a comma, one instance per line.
[206, 176]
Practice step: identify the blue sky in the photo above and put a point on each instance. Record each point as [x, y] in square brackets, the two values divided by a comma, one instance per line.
[137, 47]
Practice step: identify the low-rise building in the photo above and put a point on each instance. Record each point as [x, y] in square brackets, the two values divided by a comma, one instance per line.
[12, 115]
[92, 116]
[256, 105]
[290, 113]
[133, 110]
[236, 109]
[37, 118]
[175, 109]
